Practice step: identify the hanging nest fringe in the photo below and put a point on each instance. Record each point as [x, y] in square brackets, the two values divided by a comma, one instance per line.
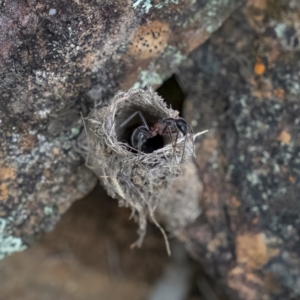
[137, 180]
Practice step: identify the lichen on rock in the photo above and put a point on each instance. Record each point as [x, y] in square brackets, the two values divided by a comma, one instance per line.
[9, 244]
[58, 58]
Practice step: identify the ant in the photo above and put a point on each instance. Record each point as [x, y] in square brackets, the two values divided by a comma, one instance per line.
[166, 126]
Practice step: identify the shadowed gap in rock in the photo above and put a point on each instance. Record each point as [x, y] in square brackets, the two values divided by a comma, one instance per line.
[172, 93]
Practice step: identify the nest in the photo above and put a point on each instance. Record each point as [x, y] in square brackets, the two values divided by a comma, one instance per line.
[134, 178]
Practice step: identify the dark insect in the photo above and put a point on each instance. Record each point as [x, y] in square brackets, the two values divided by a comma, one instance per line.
[143, 133]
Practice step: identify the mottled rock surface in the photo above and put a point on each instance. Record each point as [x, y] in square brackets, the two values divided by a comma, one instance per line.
[245, 84]
[58, 58]
[86, 256]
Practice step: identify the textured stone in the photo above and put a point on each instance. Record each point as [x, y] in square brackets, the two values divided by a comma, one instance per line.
[58, 58]
[244, 83]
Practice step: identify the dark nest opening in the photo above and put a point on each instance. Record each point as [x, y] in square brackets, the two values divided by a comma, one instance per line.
[172, 94]
[124, 133]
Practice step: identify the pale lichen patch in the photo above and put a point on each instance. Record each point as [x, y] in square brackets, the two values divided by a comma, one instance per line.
[148, 78]
[146, 5]
[9, 244]
[48, 210]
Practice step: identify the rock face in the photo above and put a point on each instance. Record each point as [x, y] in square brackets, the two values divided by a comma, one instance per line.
[86, 256]
[245, 84]
[58, 58]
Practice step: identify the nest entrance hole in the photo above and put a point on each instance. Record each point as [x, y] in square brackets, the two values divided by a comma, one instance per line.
[173, 94]
[151, 117]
